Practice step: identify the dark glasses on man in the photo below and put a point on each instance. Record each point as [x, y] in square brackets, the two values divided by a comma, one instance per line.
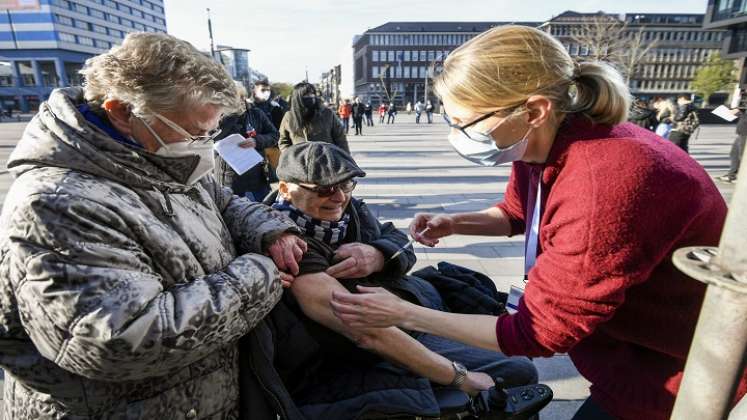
[330, 190]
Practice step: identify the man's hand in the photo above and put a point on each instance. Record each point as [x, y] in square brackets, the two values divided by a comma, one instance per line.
[476, 382]
[286, 252]
[357, 261]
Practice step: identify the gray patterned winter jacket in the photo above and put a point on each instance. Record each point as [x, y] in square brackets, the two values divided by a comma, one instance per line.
[123, 292]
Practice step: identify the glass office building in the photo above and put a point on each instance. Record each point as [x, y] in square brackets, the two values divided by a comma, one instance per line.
[43, 48]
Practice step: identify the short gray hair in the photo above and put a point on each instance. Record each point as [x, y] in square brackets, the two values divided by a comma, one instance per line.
[155, 72]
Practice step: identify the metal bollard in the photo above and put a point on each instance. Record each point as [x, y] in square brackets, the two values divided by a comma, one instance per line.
[716, 360]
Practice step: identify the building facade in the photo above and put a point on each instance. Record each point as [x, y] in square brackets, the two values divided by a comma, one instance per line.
[398, 59]
[731, 16]
[43, 48]
[236, 63]
[330, 86]
[680, 45]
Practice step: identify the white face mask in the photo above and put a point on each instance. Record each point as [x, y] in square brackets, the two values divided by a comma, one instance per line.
[202, 149]
[480, 148]
[262, 95]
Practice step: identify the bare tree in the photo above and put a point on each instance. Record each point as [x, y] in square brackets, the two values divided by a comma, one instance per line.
[608, 39]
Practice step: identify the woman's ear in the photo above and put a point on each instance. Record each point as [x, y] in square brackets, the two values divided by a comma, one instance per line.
[119, 115]
[539, 110]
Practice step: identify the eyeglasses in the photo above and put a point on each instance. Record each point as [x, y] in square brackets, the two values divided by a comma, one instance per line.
[346, 187]
[463, 128]
[210, 136]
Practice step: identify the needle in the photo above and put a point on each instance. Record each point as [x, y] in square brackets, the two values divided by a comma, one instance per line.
[407, 245]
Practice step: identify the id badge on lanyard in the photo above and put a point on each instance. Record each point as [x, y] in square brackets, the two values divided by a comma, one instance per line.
[517, 291]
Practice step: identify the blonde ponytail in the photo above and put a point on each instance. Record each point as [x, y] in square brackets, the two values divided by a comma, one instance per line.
[601, 93]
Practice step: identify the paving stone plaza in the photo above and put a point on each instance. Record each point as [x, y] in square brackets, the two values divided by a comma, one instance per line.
[412, 168]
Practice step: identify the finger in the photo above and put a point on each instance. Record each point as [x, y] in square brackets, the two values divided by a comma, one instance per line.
[277, 257]
[347, 298]
[297, 252]
[366, 289]
[290, 262]
[343, 308]
[343, 265]
[351, 273]
[302, 244]
[286, 279]
[343, 253]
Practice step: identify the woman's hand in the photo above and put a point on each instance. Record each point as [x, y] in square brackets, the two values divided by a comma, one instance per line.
[438, 225]
[287, 251]
[373, 307]
[357, 260]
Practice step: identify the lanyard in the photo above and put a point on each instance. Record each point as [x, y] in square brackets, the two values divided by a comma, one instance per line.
[530, 256]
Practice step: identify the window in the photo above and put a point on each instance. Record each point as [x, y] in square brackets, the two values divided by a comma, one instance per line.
[398, 72]
[65, 37]
[406, 72]
[138, 26]
[584, 50]
[97, 13]
[81, 9]
[423, 56]
[407, 55]
[390, 55]
[124, 8]
[422, 72]
[431, 55]
[112, 18]
[84, 40]
[137, 13]
[98, 28]
[109, 3]
[81, 24]
[63, 20]
[375, 55]
[125, 22]
[102, 44]
[61, 3]
[375, 71]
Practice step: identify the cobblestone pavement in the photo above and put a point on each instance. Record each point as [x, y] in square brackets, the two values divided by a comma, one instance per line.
[411, 168]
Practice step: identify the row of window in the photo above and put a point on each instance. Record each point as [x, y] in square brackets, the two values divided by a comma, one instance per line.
[89, 26]
[668, 71]
[91, 11]
[395, 56]
[420, 39]
[403, 72]
[659, 85]
[378, 87]
[692, 36]
[83, 40]
[680, 55]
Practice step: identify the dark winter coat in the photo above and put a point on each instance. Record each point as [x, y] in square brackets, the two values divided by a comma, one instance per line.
[324, 126]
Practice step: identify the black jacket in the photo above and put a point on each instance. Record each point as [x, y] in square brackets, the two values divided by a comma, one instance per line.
[742, 124]
[643, 117]
[255, 178]
[358, 110]
[273, 110]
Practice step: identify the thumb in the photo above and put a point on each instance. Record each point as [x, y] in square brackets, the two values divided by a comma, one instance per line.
[366, 289]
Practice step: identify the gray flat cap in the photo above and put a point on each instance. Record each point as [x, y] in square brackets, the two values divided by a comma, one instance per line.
[317, 163]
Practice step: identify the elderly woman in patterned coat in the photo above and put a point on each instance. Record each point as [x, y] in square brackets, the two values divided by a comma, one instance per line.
[128, 273]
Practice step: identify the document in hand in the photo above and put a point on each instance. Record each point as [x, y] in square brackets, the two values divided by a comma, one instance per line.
[724, 113]
[239, 158]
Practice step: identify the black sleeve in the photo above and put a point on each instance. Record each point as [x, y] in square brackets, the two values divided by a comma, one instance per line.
[389, 241]
[267, 134]
[317, 258]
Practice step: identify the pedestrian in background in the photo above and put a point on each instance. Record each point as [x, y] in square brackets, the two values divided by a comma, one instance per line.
[665, 110]
[260, 134]
[382, 112]
[419, 108]
[737, 149]
[307, 120]
[391, 112]
[684, 123]
[358, 112]
[129, 274]
[641, 115]
[368, 110]
[409, 108]
[429, 112]
[345, 111]
[261, 98]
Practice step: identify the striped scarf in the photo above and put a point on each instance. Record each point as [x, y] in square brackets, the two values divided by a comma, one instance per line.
[331, 233]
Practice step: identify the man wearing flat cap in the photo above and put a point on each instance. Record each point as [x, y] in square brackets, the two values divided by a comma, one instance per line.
[349, 248]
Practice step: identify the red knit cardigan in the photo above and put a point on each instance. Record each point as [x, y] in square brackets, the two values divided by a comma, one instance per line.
[617, 202]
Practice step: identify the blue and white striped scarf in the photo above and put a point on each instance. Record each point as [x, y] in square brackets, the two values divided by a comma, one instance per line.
[331, 233]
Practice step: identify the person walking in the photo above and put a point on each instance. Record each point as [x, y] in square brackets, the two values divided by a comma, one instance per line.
[737, 150]
[419, 108]
[307, 120]
[665, 110]
[368, 111]
[345, 111]
[129, 274]
[358, 112]
[382, 112]
[685, 122]
[429, 112]
[391, 112]
[602, 203]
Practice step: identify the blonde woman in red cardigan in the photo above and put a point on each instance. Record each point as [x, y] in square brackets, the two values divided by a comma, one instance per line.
[603, 205]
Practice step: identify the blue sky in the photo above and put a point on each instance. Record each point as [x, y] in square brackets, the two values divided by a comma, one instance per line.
[287, 36]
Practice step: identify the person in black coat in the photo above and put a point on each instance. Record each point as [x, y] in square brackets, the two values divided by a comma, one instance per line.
[274, 109]
[368, 111]
[359, 110]
[737, 150]
[260, 133]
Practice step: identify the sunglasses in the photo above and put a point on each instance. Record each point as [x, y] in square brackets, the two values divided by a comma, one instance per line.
[328, 191]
